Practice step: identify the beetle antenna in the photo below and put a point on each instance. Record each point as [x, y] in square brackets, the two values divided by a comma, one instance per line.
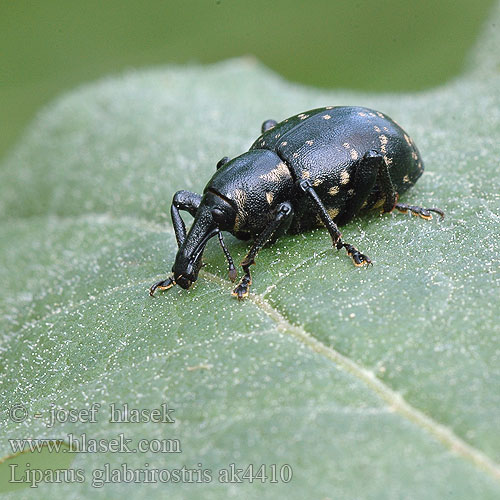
[231, 269]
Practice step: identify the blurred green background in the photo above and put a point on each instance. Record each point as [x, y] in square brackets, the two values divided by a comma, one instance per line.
[47, 47]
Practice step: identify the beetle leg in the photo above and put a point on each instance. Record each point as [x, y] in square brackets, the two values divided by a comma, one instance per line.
[282, 214]
[231, 269]
[365, 177]
[306, 186]
[391, 195]
[268, 125]
[357, 257]
[372, 168]
[425, 213]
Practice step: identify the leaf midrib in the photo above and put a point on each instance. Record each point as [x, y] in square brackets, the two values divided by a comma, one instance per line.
[393, 399]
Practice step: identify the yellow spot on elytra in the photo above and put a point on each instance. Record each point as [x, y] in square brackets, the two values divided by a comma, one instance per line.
[354, 154]
[386, 129]
[377, 129]
[406, 178]
[295, 155]
[333, 190]
[414, 155]
[277, 136]
[309, 143]
[350, 192]
[269, 197]
[329, 107]
[333, 212]
[284, 143]
[388, 160]
[326, 117]
[302, 116]
[344, 177]
[361, 113]
[277, 173]
[380, 114]
[371, 114]
[240, 197]
[408, 140]
[383, 142]
[317, 182]
[306, 174]
[346, 145]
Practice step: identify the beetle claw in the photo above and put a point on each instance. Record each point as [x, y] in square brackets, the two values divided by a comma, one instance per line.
[424, 213]
[162, 285]
[360, 259]
[243, 288]
[357, 257]
[437, 211]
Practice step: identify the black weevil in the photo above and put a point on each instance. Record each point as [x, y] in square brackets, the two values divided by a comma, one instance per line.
[321, 167]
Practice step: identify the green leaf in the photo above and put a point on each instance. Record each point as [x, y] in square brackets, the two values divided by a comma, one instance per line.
[378, 383]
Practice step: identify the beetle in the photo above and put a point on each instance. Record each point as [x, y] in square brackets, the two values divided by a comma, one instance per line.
[317, 168]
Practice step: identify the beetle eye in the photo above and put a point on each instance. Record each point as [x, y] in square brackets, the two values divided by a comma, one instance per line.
[218, 216]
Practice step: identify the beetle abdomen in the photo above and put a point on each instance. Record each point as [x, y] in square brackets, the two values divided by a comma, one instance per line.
[329, 145]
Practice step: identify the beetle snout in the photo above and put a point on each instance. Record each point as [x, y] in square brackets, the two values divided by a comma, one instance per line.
[184, 281]
[185, 274]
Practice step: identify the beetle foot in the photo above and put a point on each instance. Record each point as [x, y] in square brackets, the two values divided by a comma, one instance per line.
[357, 257]
[243, 288]
[425, 213]
[162, 285]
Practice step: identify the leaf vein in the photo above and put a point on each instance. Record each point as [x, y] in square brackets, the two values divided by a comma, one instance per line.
[393, 399]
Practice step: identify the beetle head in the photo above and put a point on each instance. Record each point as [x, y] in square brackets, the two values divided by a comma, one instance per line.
[213, 215]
